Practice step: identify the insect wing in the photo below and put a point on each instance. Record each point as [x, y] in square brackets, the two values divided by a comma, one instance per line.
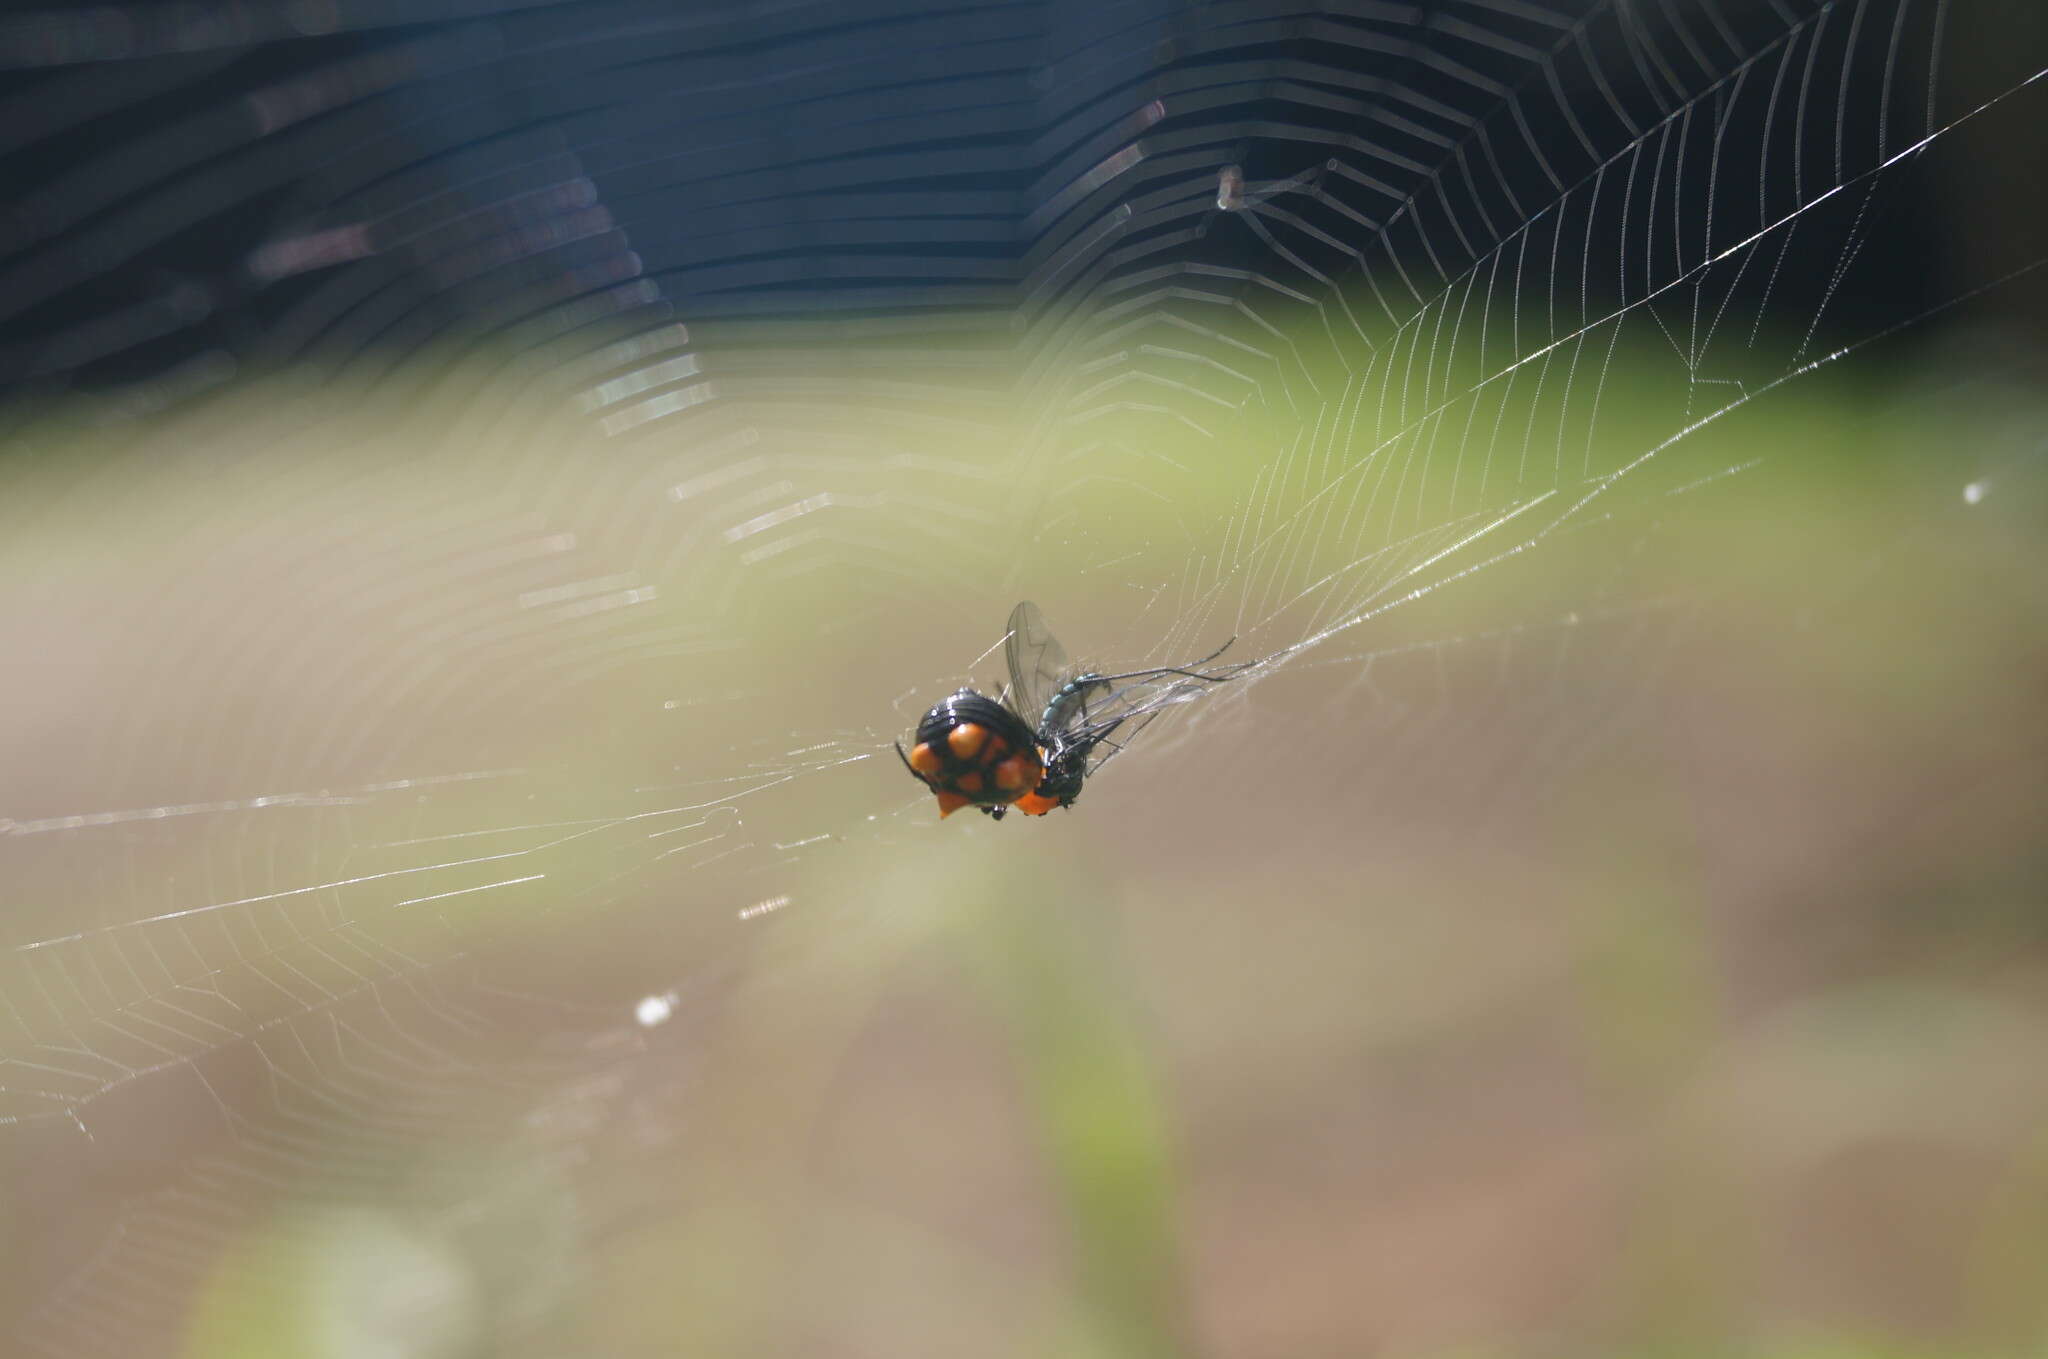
[1103, 715]
[1102, 718]
[1038, 663]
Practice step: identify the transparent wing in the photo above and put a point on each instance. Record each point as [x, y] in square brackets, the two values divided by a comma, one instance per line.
[1038, 663]
[1101, 715]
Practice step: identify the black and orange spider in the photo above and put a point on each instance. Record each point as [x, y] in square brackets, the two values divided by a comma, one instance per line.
[1051, 729]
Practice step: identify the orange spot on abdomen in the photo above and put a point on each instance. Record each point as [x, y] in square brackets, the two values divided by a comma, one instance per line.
[1016, 772]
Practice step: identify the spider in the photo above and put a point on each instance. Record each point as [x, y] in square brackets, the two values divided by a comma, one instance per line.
[1035, 748]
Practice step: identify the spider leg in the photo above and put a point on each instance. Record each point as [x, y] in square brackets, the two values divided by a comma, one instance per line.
[1117, 747]
[906, 764]
[1188, 670]
[1084, 742]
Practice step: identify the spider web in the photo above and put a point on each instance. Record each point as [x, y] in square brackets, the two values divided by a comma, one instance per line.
[523, 468]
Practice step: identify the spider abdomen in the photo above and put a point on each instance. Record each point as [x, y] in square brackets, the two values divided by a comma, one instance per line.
[972, 751]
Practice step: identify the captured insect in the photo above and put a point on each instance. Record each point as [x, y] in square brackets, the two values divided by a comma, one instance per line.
[1052, 728]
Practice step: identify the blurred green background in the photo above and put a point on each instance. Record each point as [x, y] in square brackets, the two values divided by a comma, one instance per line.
[1634, 946]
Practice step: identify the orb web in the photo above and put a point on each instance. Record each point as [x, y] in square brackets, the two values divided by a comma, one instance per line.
[542, 457]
